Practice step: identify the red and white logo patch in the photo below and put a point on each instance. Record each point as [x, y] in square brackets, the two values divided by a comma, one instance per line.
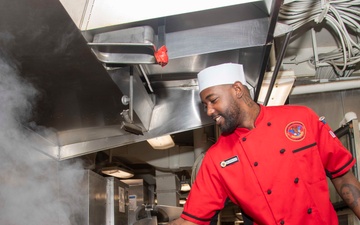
[295, 131]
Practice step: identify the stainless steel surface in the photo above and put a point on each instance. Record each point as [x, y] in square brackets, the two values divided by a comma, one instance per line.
[199, 39]
[97, 198]
[147, 221]
[117, 207]
[48, 146]
[41, 41]
[217, 38]
[138, 197]
[80, 95]
[159, 214]
[183, 110]
[127, 46]
[77, 110]
[90, 15]
[91, 197]
[142, 102]
[167, 188]
[172, 212]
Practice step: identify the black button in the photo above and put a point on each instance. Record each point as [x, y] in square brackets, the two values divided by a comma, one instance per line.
[282, 222]
[282, 151]
[309, 211]
[296, 180]
[269, 191]
[244, 139]
[269, 124]
[256, 163]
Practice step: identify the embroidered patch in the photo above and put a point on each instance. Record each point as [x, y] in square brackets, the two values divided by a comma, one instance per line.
[229, 161]
[332, 134]
[295, 131]
[322, 119]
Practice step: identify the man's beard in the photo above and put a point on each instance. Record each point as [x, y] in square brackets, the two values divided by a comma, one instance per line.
[230, 119]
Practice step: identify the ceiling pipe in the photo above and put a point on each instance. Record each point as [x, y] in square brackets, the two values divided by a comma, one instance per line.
[326, 87]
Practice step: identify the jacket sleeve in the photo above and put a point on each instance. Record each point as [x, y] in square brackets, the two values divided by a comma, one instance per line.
[207, 196]
[336, 158]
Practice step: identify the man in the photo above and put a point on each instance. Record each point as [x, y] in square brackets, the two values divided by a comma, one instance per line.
[271, 161]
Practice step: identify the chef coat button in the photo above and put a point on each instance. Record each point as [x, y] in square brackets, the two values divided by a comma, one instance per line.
[282, 222]
[269, 124]
[269, 191]
[282, 151]
[256, 163]
[309, 211]
[296, 180]
[244, 139]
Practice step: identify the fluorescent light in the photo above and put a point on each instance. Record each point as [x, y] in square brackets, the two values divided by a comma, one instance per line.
[182, 201]
[185, 187]
[116, 171]
[163, 142]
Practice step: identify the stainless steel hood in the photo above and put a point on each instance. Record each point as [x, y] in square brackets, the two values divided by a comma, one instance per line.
[80, 95]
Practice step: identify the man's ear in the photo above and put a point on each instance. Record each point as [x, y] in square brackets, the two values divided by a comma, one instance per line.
[239, 89]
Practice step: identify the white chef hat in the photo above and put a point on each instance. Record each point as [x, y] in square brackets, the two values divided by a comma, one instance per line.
[226, 73]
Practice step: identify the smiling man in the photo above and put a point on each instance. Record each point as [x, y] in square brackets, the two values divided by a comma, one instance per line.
[225, 109]
[270, 161]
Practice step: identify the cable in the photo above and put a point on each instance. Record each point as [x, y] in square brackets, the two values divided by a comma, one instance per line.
[342, 16]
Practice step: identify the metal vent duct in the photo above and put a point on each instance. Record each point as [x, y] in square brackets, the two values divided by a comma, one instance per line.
[80, 96]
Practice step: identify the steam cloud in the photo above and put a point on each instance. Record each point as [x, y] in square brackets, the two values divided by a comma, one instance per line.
[34, 188]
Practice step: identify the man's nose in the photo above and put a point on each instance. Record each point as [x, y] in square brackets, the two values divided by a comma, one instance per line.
[209, 111]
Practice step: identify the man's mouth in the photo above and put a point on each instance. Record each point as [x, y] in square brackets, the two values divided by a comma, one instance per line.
[217, 119]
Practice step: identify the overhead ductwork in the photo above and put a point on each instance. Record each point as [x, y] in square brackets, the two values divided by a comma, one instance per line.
[83, 71]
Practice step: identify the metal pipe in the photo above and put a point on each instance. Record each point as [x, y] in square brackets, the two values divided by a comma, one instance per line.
[277, 66]
[356, 130]
[326, 87]
[146, 78]
[342, 131]
[131, 81]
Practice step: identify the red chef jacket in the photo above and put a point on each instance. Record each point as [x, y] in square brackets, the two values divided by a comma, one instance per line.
[275, 172]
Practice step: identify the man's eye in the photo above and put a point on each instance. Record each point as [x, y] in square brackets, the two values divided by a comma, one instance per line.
[212, 101]
[205, 108]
